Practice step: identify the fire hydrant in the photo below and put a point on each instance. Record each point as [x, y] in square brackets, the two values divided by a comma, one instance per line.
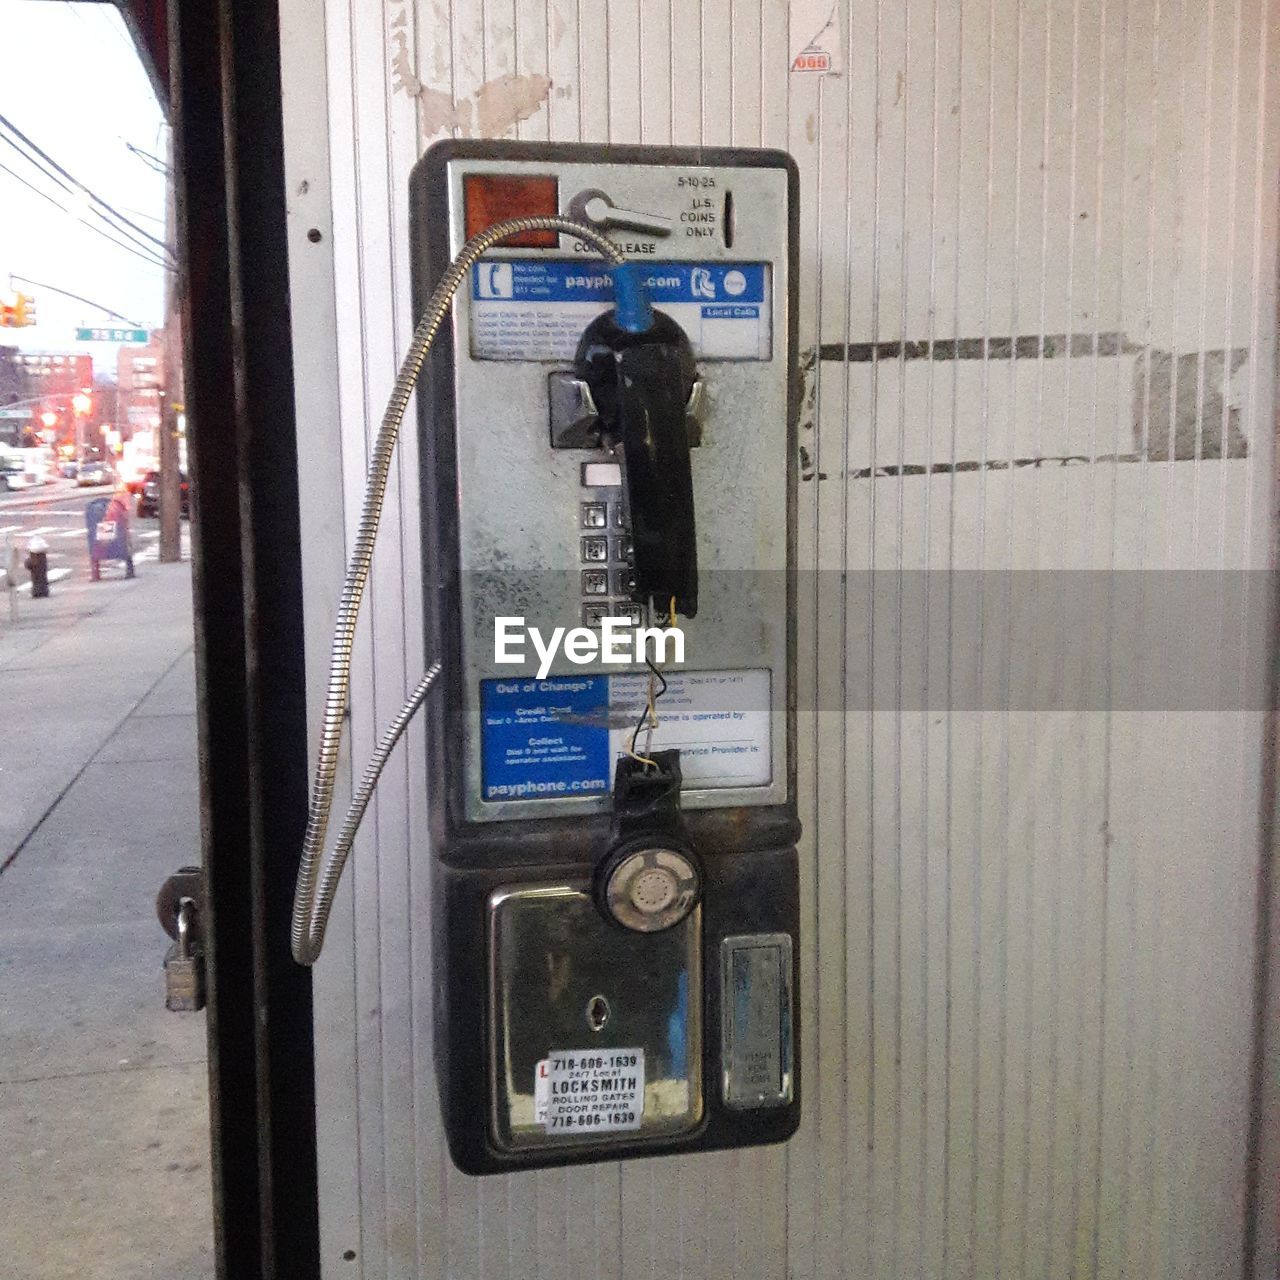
[38, 566]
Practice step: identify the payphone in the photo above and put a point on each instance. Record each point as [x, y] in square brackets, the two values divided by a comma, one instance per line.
[608, 519]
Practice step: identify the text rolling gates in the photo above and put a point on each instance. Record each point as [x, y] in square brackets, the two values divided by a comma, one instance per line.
[613, 839]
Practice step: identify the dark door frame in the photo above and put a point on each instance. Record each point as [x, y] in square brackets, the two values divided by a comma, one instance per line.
[225, 109]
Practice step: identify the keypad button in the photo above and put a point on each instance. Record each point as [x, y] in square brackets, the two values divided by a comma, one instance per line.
[595, 549]
[595, 515]
[623, 548]
[595, 582]
[624, 582]
[594, 614]
[619, 516]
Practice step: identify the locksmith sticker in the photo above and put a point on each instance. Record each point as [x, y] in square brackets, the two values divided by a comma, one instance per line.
[589, 1090]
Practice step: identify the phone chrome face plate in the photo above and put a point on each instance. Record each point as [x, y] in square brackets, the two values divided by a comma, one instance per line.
[541, 529]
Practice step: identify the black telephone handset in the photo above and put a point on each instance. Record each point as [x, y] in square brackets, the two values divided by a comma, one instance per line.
[641, 383]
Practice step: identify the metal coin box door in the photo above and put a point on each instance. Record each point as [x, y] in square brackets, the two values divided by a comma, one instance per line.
[616, 916]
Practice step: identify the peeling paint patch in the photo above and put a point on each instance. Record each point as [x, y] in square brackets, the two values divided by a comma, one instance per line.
[495, 107]
[503, 102]
[807, 398]
[1027, 346]
[1183, 409]
[1185, 405]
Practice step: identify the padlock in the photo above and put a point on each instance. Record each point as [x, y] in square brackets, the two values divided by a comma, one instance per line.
[184, 965]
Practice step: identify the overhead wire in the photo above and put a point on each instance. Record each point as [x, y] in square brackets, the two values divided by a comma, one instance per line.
[66, 293]
[110, 209]
[155, 262]
[154, 163]
[133, 246]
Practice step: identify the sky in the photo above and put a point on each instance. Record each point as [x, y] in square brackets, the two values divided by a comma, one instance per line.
[74, 84]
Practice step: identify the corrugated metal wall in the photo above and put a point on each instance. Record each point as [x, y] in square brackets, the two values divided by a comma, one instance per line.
[1037, 324]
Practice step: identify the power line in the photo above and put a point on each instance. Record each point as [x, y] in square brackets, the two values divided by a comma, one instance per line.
[152, 162]
[133, 245]
[8, 124]
[66, 293]
[142, 213]
[71, 191]
[146, 255]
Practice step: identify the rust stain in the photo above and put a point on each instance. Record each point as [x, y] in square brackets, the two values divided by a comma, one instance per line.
[810, 127]
[559, 29]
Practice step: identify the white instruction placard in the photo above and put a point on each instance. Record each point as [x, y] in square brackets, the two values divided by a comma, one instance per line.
[589, 1090]
[720, 721]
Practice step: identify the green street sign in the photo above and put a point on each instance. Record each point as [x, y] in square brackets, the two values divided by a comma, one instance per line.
[15, 413]
[138, 336]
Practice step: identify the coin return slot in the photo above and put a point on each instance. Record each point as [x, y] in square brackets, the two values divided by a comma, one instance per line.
[601, 475]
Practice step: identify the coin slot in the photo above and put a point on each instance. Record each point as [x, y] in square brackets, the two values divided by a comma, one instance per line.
[727, 220]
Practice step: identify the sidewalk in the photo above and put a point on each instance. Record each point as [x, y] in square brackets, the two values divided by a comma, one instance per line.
[104, 1159]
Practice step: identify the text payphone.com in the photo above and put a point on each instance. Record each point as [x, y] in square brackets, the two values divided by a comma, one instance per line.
[607, 422]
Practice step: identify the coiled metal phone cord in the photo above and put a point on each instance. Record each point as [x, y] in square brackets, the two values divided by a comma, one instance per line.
[313, 898]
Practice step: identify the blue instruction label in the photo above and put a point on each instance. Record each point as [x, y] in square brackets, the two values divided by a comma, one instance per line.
[545, 738]
[536, 308]
[556, 280]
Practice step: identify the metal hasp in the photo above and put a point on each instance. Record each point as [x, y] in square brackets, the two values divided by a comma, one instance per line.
[614, 881]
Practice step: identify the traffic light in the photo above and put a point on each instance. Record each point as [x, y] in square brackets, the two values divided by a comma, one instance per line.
[19, 313]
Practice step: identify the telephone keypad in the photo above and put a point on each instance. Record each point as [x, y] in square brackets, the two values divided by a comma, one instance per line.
[615, 575]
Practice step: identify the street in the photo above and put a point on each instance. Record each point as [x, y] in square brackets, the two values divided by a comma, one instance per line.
[104, 1152]
[56, 512]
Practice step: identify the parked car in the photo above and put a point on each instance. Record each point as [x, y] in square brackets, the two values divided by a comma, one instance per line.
[95, 472]
[12, 470]
[149, 498]
[133, 481]
[68, 469]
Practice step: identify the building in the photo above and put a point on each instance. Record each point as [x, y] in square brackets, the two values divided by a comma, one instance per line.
[12, 379]
[50, 374]
[140, 386]
[13, 386]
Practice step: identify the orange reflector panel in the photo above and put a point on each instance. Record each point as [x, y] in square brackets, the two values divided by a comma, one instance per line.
[495, 197]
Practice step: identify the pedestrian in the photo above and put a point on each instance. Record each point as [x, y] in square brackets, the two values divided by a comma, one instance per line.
[120, 510]
[115, 530]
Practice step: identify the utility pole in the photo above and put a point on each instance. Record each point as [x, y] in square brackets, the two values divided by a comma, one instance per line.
[171, 395]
